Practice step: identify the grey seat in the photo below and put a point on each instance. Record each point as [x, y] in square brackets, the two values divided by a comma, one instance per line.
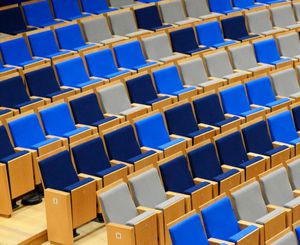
[283, 16]
[296, 7]
[294, 173]
[288, 239]
[115, 100]
[286, 83]
[158, 48]
[172, 12]
[199, 9]
[289, 45]
[122, 3]
[97, 30]
[123, 24]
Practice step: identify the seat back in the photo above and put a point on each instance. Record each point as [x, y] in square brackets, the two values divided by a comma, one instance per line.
[238, 55]
[209, 33]
[289, 44]
[117, 94]
[219, 7]
[6, 148]
[218, 64]
[266, 51]
[120, 3]
[86, 109]
[243, 3]
[294, 171]
[289, 238]
[66, 9]
[296, 7]
[123, 23]
[183, 40]
[172, 11]
[148, 17]
[196, 8]
[259, 21]
[296, 116]
[69, 37]
[94, 6]
[11, 21]
[234, 27]
[283, 16]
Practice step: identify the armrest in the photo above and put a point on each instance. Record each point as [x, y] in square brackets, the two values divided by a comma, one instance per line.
[215, 241]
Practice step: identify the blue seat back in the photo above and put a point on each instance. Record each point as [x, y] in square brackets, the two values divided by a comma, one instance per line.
[57, 120]
[57, 171]
[219, 6]
[69, 37]
[66, 9]
[204, 162]
[121, 144]
[183, 40]
[11, 21]
[86, 109]
[42, 82]
[209, 33]
[6, 148]
[90, 157]
[101, 63]
[208, 110]
[188, 231]
[167, 80]
[176, 175]
[234, 27]
[152, 126]
[148, 18]
[243, 3]
[94, 6]
[219, 220]
[296, 116]
[231, 149]
[26, 131]
[260, 91]
[230, 97]
[72, 72]
[129, 55]
[257, 139]
[266, 51]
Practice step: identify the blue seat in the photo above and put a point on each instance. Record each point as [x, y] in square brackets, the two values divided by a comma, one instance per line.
[43, 44]
[67, 9]
[102, 64]
[12, 22]
[270, 1]
[266, 51]
[43, 83]
[4, 69]
[168, 81]
[15, 52]
[210, 35]
[223, 7]
[154, 125]
[142, 91]
[13, 94]
[184, 41]
[247, 4]
[39, 14]
[72, 73]
[260, 92]
[70, 37]
[221, 223]
[58, 121]
[96, 6]
[296, 116]
[235, 28]
[148, 18]
[237, 93]
[130, 55]
[86, 110]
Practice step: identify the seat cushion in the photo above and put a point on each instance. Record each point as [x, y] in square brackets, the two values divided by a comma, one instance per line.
[170, 144]
[141, 217]
[76, 131]
[110, 170]
[235, 238]
[13, 156]
[168, 202]
[140, 156]
[269, 216]
[194, 188]
[78, 184]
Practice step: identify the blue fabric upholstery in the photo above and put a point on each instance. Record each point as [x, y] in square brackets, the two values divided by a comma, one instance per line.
[188, 231]
[276, 150]
[13, 156]
[67, 9]
[169, 144]
[246, 4]
[297, 231]
[223, 7]
[110, 170]
[140, 157]
[236, 237]
[296, 116]
[6, 148]
[96, 6]
[43, 143]
[82, 182]
[39, 14]
[4, 111]
[194, 188]
[270, 1]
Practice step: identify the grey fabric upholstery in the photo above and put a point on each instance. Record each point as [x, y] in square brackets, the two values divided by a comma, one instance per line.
[260, 22]
[218, 64]
[294, 172]
[243, 57]
[168, 202]
[283, 16]
[296, 7]
[286, 83]
[140, 218]
[199, 9]
[122, 3]
[117, 205]
[293, 203]
[289, 44]
[288, 239]
[264, 219]
[277, 188]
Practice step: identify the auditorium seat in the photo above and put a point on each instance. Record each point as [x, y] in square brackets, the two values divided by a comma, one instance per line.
[199, 9]
[296, 7]
[164, 143]
[287, 237]
[6, 69]
[96, 6]
[270, 1]
[102, 64]
[219, 213]
[76, 197]
[86, 110]
[96, 30]
[122, 216]
[205, 164]
[123, 3]
[177, 178]
[67, 10]
[224, 7]
[130, 55]
[295, 109]
[43, 83]
[122, 106]
[181, 121]
[168, 82]
[289, 45]
[57, 121]
[72, 73]
[257, 140]
[293, 171]
[283, 16]
[39, 14]
[233, 153]
[210, 35]
[247, 4]
[141, 91]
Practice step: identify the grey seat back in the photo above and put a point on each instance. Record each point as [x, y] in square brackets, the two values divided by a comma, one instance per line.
[121, 3]
[285, 82]
[288, 239]
[259, 21]
[289, 44]
[117, 205]
[218, 64]
[157, 46]
[283, 16]
[294, 172]
[96, 29]
[249, 203]
[277, 188]
[147, 189]
[193, 72]
[114, 99]
[243, 57]
[196, 8]
[296, 7]
[172, 11]
[123, 23]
